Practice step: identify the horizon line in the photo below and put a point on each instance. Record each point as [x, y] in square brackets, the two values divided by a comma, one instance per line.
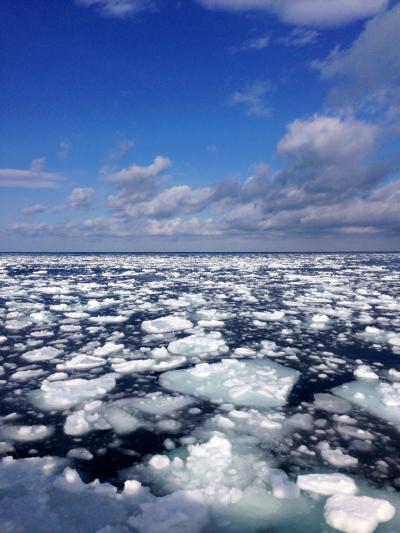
[209, 252]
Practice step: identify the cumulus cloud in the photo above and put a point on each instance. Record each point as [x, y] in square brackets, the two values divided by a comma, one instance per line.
[34, 178]
[137, 183]
[117, 8]
[178, 199]
[136, 175]
[329, 184]
[327, 153]
[80, 198]
[369, 70]
[317, 13]
[252, 98]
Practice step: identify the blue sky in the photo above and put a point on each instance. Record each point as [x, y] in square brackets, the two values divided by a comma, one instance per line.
[221, 125]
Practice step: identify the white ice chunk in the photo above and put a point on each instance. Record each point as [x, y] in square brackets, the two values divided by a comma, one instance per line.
[266, 315]
[380, 399]
[25, 433]
[357, 514]
[108, 348]
[60, 395]
[365, 372]
[41, 354]
[198, 346]
[320, 319]
[81, 362]
[327, 484]
[144, 365]
[336, 457]
[26, 375]
[249, 383]
[166, 324]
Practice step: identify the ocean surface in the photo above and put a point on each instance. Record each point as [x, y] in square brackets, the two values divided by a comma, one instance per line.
[200, 390]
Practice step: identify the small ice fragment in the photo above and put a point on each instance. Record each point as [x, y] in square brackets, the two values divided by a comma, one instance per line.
[159, 462]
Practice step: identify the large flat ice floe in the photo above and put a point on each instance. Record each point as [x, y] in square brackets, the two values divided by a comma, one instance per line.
[167, 324]
[252, 383]
[60, 395]
[378, 398]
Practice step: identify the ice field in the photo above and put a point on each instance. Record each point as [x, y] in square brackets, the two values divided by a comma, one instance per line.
[200, 393]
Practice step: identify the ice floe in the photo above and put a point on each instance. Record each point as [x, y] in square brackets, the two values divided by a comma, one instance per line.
[61, 395]
[247, 383]
[166, 324]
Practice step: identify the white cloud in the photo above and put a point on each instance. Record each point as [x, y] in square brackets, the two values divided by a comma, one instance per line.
[369, 70]
[317, 13]
[34, 178]
[135, 174]
[80, 198]
[324, 138]
[252, 97]
[117, 8]
[178, 199]
[137, 183]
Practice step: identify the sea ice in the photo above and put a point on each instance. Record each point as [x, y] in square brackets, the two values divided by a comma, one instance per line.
[331, 404]
[365, 372]
[144, 365]
[167, 324]
[378, 398]
[179, 512]
[81, 362]
[357, 514]
[25, 433]
[156, 403]
[108, 348]
[198, 346]
[327, 484]
[336, 457]
[41, 354]
[253, 383]
[60, 395]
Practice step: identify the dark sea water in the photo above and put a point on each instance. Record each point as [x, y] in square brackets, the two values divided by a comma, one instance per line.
[322, 315]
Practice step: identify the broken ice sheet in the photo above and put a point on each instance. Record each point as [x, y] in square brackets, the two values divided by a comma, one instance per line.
[378, 398]
[252, 383]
